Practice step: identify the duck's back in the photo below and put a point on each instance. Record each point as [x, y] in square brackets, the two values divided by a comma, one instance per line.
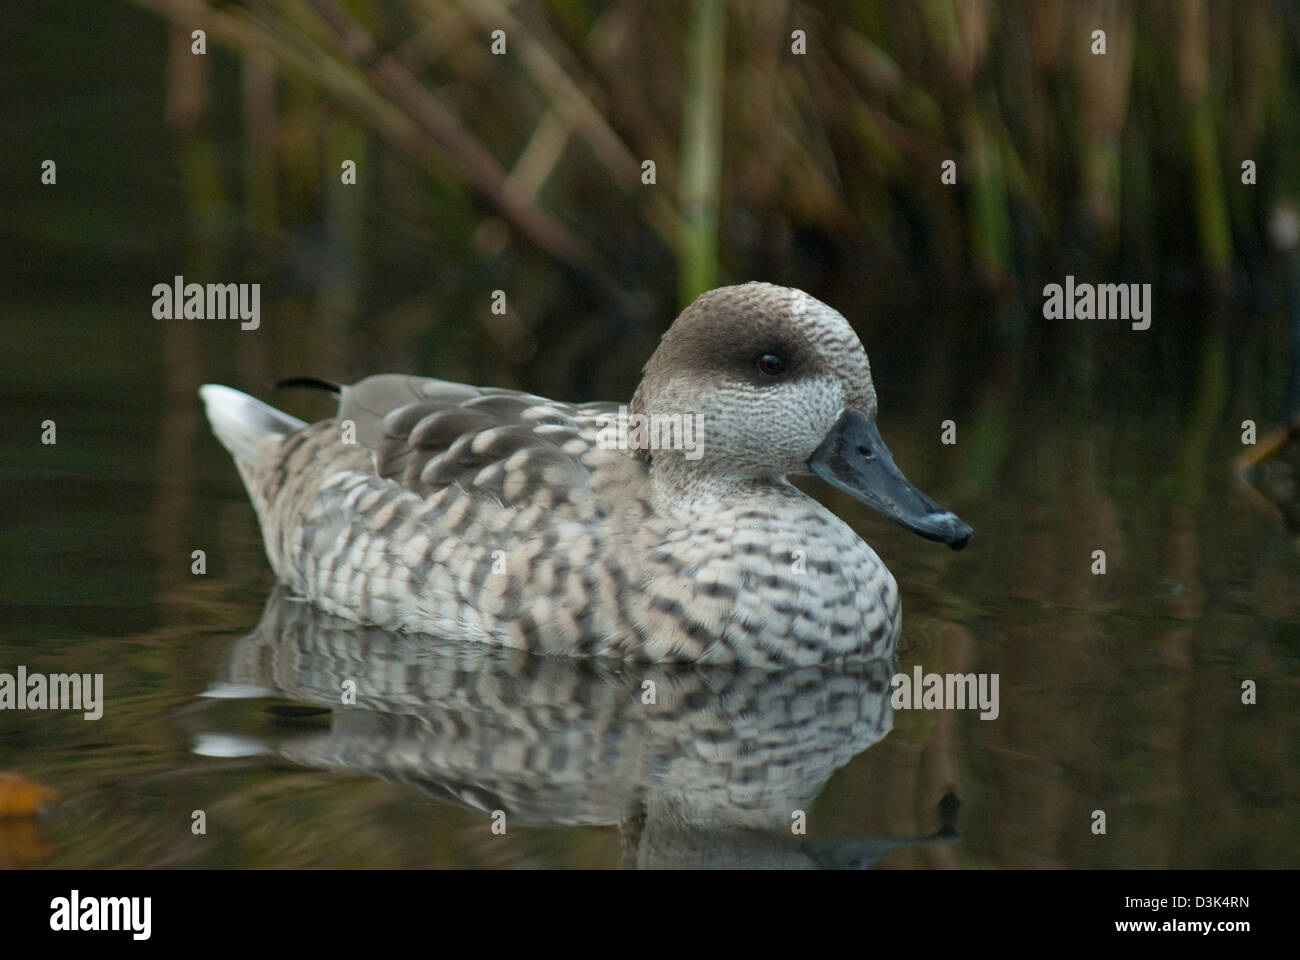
[438, 507]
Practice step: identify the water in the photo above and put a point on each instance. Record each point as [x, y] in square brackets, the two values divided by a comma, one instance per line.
[1119, 693]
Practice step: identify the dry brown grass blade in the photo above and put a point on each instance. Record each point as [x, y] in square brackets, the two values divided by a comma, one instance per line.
[566, 99]
[239, 30]
[400, 110]
[392, 78]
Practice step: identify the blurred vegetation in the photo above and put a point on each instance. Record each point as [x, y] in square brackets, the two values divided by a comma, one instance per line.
[524, 172]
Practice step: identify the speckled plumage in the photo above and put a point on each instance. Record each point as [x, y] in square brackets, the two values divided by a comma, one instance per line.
[496, 516]
[706, 773]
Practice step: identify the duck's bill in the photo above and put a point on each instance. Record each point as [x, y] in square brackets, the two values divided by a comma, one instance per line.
[855, 459]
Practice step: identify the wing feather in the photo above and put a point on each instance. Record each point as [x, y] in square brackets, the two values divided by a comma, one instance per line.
[427, 434]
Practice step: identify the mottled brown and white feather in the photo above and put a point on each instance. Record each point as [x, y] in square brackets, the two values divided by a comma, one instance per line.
[497, 516]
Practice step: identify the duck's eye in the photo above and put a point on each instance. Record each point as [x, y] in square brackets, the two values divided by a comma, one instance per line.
[771, 364]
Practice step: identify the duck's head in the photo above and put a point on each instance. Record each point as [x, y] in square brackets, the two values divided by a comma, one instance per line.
[782, 386]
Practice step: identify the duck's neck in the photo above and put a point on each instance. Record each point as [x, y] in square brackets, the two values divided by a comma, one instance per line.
[679, 485]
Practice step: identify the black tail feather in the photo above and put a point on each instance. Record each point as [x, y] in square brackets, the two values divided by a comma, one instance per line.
[313, 383]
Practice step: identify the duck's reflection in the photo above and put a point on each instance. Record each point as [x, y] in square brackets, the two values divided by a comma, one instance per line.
[698, 767]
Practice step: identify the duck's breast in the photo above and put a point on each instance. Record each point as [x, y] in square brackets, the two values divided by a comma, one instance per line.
[771, 581]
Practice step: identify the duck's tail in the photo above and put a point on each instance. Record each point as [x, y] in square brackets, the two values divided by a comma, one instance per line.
[242, 422]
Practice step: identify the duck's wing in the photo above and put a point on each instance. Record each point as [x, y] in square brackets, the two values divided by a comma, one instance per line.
[428, 434]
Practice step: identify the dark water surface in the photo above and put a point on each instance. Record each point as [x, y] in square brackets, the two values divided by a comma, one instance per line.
[1118, 693]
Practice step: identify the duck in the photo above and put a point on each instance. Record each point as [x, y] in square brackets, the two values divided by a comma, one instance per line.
[664, 529]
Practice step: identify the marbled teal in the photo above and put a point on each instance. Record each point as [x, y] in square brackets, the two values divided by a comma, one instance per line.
[506, 518]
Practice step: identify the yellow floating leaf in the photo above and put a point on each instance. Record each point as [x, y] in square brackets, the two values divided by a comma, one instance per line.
[20, 797]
